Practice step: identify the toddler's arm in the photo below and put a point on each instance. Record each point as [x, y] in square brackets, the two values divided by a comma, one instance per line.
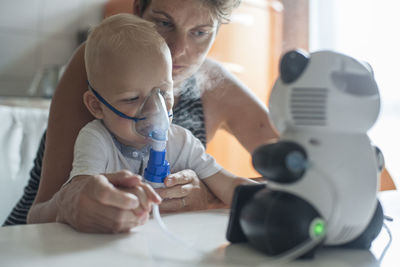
[223, 184]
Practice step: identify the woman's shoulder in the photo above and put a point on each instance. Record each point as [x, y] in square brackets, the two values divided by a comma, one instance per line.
[215, 72]
[222, 88]
[216, 77]
[228, 103]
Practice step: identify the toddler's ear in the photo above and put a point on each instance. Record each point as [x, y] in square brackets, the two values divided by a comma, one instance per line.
[93, 104]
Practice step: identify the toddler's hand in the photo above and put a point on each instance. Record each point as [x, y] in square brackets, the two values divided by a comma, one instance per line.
[184, 191]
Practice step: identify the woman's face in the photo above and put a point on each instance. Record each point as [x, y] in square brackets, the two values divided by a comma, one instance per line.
[189, 30]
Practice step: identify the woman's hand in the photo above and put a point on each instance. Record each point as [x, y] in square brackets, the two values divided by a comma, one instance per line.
[110, 203]
[184, 191]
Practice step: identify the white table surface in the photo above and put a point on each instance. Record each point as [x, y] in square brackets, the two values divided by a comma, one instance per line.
[56, 244]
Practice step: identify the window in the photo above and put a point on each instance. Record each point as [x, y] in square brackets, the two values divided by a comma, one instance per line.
[367, 30]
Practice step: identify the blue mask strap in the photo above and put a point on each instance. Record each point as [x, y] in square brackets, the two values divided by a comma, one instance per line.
[116, 111]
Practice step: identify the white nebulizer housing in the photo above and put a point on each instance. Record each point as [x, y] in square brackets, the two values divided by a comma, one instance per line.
[328, 110]
[323, 172]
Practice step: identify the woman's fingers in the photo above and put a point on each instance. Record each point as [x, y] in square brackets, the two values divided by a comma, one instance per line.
[145, 194]
[145, 204]
[152, 194]
[175, 204]
[93, 204]
[122, 220]
[127, 180]
[104, 192]
[124, 178]
[107, 219]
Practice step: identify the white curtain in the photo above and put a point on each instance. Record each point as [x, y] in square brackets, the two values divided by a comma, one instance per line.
[21, 129]
[368, 30]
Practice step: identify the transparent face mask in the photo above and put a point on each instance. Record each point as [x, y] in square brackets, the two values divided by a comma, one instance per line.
[156, 119]
[152, 118]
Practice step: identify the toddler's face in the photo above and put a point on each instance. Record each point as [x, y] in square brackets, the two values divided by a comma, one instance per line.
[129, 81]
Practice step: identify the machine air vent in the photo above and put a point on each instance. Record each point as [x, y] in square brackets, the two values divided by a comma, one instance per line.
[308, 106]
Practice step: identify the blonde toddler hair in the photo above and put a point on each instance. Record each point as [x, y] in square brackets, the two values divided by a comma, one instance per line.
[119, 35]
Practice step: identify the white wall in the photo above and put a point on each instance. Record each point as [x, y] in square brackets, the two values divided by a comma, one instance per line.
[367, 30]
[36, 33]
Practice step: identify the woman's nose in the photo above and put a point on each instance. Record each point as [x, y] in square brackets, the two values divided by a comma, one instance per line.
[178, 44]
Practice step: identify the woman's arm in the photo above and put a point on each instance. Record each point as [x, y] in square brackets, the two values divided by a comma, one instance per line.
[67, 116]
[97, 203]
[243, 114]
[227, 104]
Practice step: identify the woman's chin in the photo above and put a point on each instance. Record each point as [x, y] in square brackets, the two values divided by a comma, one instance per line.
[177, 80]
[179, 76]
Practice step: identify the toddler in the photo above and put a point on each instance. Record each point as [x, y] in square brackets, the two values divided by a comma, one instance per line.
[128, 63]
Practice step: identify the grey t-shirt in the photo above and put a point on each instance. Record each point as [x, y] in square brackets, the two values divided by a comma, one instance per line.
[96, 152]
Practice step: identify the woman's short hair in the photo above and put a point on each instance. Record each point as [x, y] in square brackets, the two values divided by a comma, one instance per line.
[220, 9]
[118, 35]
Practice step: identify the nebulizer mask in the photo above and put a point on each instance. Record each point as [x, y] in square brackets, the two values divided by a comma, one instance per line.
[153, 118]
[154, 123]
[151, 121]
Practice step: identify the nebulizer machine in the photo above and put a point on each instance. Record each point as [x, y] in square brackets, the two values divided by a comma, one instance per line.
[322, 174]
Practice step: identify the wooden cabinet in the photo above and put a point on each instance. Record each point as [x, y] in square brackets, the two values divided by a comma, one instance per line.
[113, 7]
[250, 47]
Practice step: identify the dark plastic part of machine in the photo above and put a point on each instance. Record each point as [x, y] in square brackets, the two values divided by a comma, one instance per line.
[276, 221]
[242, 195]
[271, 161]
[293, 63]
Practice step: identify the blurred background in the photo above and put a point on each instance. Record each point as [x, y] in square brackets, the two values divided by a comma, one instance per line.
[367, 30]
[37, 38]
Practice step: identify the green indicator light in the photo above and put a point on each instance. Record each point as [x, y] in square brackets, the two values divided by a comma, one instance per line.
[317, 228]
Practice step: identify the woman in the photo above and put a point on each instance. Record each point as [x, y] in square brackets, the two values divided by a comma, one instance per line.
[189, 28]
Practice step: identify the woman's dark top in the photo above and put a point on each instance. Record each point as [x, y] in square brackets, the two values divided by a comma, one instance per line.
[188, 113]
